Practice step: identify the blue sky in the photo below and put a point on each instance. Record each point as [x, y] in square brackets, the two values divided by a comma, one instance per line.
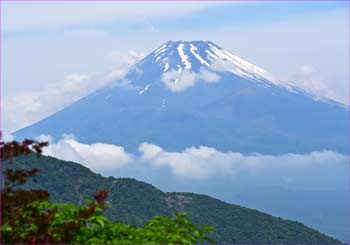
[217, 15]
[47, 44]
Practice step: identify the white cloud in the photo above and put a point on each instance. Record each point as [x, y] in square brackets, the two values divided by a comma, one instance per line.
[181, 80]
[194, 163]
[123, 61]
[28, 107]
[309, 79]
[178, 81]
[150, 151]
[45, 138]
[208, 77]
[99, 157]
[127, 59]
[221, 65]
[25, 108]
[204, 162]
[7, 137]
[124, 83]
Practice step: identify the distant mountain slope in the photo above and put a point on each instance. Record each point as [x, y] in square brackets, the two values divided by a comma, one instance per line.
[196, 93]
[324, 210]
[134, 202]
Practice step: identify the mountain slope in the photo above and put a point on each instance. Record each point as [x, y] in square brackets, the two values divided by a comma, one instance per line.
[134, 202]
[181, 85]
[324, 210]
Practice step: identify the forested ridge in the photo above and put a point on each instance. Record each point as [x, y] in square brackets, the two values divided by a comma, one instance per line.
[135, 202]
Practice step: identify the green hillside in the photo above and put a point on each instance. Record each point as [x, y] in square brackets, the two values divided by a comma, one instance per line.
[135, 202]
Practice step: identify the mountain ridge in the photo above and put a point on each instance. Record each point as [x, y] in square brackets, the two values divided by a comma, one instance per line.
[134, 202]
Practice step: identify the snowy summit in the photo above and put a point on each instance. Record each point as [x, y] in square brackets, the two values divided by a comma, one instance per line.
[194, 55]
[197, 56]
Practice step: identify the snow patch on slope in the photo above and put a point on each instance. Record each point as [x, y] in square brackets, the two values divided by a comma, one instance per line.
[183, 56]
[145, 88]
[241, 67]
[193, 50]
[160, 50]
[166, 67]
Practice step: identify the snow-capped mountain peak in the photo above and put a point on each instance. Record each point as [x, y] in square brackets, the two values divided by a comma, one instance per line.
[196, 55]
[176, 60]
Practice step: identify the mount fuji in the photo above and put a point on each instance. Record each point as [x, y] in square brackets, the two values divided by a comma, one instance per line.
[198, 94]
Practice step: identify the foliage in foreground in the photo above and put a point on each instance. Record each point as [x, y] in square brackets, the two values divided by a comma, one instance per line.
[29, 217]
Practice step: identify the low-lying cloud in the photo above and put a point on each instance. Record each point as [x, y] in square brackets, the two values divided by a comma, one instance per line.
[101, 158]
[193, 163]
[204, 162]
